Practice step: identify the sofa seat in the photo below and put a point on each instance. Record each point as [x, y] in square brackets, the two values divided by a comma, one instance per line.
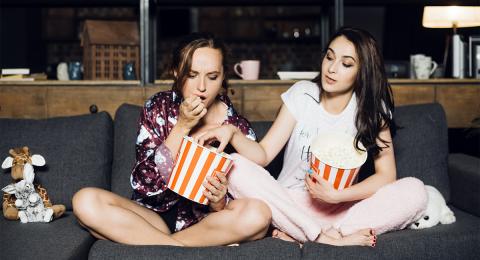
[268, 248]
[452, 241]
[62, 238]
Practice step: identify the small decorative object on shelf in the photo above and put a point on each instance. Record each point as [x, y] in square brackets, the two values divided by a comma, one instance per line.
[75, 70]
[129, 71]
[107, 47]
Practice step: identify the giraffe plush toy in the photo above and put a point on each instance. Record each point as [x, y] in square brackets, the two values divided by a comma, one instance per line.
[33, 203]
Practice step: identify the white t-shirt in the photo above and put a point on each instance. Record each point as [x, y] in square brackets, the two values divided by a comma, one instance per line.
[302, 101]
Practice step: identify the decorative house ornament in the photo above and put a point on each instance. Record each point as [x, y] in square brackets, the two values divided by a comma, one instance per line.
[107, 47]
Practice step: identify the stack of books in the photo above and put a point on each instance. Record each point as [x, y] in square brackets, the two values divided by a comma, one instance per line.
[17, 74]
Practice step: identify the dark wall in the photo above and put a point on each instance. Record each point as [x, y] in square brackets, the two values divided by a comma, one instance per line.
[21, 42]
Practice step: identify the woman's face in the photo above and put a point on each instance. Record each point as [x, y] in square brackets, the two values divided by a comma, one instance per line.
[340, 66]
[206, 75]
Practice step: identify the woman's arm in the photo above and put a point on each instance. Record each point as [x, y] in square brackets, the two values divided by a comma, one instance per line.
[155, 150]
[261, 153]
[385, 173]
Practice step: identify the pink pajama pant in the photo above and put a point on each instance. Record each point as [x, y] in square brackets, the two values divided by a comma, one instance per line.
[392, 207]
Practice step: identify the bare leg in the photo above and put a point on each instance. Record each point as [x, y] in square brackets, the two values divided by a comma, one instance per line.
[95, 234]
[116, 218]
[241, 220]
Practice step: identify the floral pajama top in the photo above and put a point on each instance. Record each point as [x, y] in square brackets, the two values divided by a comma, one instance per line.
[154, 162]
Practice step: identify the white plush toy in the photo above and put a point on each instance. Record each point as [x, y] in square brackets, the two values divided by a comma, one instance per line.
[437, 211]
[29, 203]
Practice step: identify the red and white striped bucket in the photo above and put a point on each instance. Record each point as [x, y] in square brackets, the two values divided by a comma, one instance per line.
[194, 163]
[340, 174]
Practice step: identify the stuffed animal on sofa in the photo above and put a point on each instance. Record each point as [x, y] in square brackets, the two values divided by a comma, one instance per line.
[23, 199]
[437, 211]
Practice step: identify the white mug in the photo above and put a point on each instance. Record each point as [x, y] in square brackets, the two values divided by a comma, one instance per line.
[249, 69]
[62, 71]
[422, 66]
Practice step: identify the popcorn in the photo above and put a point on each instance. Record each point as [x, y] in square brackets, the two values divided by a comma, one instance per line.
[335, 159]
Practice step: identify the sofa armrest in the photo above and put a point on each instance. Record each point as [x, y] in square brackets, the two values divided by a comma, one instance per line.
[464, 172]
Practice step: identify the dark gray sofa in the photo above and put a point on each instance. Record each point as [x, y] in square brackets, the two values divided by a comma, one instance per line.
[93, 150]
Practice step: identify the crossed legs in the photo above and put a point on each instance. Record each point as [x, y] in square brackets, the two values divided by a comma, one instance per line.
[109, 216]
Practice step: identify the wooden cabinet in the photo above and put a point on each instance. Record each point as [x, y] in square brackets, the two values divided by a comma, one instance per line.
[256, 100]
[411, 94]
[23, 102]
[461, 103]
[68, 101]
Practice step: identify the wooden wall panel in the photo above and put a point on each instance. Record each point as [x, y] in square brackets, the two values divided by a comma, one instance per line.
[67, 101]
[409, 95]
[262, 103]
[22, 102]
[150, 91]
[255, 100]
[236, 96]
[461, 103]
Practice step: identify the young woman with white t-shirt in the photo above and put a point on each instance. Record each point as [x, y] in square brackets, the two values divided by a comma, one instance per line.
[350, 95]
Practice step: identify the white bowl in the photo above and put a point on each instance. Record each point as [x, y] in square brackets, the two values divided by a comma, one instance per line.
[297, 74]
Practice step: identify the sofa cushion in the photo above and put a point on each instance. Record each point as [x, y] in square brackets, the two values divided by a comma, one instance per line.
[61, 239]
[77, 151]
[421, 145]
[267, 248]
[125, 135]
[459, 240]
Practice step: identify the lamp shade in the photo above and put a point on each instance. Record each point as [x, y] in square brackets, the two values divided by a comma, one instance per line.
[451, 16]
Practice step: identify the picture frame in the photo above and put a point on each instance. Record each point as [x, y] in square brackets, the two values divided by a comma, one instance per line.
[474, 56]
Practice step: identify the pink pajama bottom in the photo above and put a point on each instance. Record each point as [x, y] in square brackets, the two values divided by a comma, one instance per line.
[392, 207]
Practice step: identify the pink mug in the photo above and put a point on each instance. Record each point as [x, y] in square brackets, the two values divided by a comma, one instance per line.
[249, 69]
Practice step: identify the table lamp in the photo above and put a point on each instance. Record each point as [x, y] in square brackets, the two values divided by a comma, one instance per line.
[451, 17]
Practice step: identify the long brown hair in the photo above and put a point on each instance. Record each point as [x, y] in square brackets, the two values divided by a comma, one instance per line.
[371, 87]
[183, 53]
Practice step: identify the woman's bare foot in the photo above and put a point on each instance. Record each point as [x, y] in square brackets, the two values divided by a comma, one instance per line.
[276, 233]
[333, 233]
[364, 237]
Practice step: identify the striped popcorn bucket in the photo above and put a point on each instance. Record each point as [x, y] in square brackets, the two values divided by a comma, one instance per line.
[335, 159]
[194, 163]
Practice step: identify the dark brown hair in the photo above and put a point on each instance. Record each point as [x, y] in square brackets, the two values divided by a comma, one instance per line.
[183, 53]
[371, 87]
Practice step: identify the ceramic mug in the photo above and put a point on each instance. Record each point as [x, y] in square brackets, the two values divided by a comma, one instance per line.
[75, 70]
[423, 66]
[247, 69]
[62, 71]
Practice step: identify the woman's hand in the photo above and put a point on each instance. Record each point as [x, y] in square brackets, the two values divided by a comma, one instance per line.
[223, 134]
[215, 190]
[321, 189]
[191, 111]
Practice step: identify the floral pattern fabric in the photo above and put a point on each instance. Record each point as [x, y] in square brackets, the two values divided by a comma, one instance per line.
[154, 161]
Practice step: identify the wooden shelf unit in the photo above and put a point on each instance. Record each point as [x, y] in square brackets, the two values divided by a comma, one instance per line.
[257, 100]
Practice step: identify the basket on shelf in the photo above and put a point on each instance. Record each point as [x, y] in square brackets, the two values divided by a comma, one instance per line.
[107, 47]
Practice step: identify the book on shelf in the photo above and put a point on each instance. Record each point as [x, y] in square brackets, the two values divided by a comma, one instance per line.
[15, 71]
[21, 74]
[17, 79]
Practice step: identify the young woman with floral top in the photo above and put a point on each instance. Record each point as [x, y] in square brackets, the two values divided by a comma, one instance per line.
[156, 215]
